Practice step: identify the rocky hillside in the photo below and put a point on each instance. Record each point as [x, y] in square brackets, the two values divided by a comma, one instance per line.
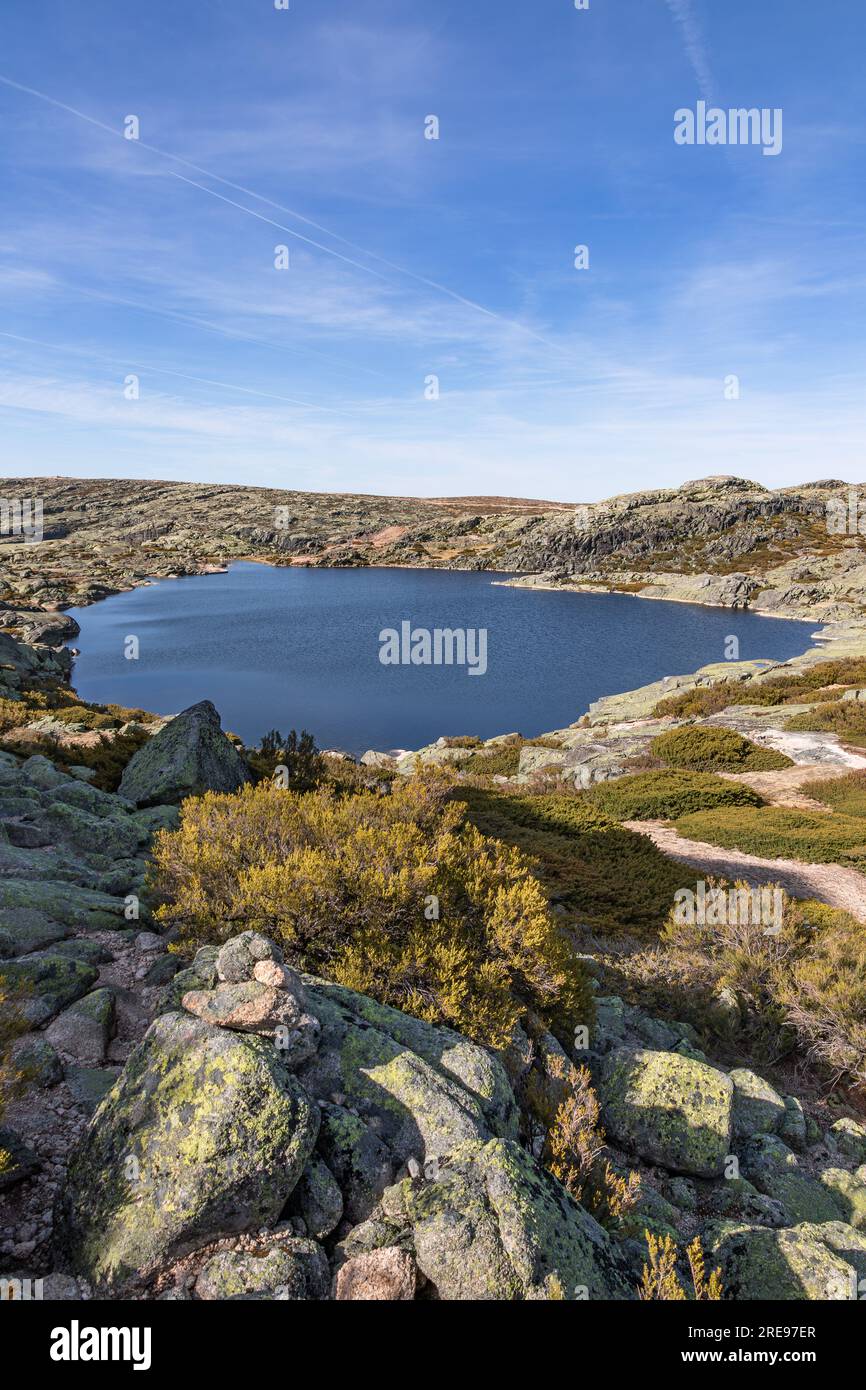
[719, 540]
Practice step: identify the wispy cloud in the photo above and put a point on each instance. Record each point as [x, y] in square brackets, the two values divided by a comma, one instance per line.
[693, 41]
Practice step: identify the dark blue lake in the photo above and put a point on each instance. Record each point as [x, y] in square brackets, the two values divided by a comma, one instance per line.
[300, 648]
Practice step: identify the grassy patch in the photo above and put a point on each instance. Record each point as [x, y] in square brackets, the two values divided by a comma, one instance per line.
[666, 794]
[847, 795]
[774, 832]
[715, 750]
[612, 878]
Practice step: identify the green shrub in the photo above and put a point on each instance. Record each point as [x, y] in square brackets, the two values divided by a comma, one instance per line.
[607, 876]
[715, 750]
[846, 795]
[668, 793]
[396, 896]
[303, 763]
[775, 832]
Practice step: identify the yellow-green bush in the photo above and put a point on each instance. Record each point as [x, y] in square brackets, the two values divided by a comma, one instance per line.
[609, 877]
[802, 986]
[668, 793]
[396, 896]
[777, 832]
[703, 749]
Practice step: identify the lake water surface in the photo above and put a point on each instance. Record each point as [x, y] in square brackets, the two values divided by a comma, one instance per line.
[299, 648]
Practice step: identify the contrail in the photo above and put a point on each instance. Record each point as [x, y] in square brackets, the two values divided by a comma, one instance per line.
[695, 47]
[317, 226]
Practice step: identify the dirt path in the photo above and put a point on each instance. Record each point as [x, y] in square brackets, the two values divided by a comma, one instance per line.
[828, 883]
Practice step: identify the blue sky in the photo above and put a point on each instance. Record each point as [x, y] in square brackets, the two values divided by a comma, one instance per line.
[413, 258]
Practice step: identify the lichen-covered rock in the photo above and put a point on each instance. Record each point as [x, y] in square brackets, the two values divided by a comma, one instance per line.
[67, 903]
[668, 1109]
[495, 1226]
[204, 1134]
[362, 1165]
[849, 1244]
[418, 1108]
[317, 1200]
[803, 1199]
[738, 1199]
[189, 756]
[295, 1269]
[385, 1275]
[758, 1109]
[848, 1194]
[84, 1030]
[765, 1154]
[50, 983]
[19, 1161]
[35, 1058]
[477, 1070]
[796, 1263]
[849, 1136]
[23, 929]
[793, 1128]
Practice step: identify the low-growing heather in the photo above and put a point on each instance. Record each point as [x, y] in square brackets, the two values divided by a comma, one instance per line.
[777, 832]
[825, 678]
[846, 795]
[610, 877]
[704, 749]
[847, 718]
[667, 794]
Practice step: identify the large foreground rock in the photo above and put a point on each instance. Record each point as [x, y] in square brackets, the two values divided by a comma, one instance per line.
[204, 1134]
[668, 1109]
[191, 755]
[809, 1261]
[496, 1226]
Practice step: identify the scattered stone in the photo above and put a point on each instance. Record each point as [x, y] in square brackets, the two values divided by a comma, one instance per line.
[37, 1061]
[237, 959]
[295, 1269]
[317, 1200]
[90, 1085]
[386, 1275]
[84, 1030]
[758, 1109]
[149, 941]
[849, 1136]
